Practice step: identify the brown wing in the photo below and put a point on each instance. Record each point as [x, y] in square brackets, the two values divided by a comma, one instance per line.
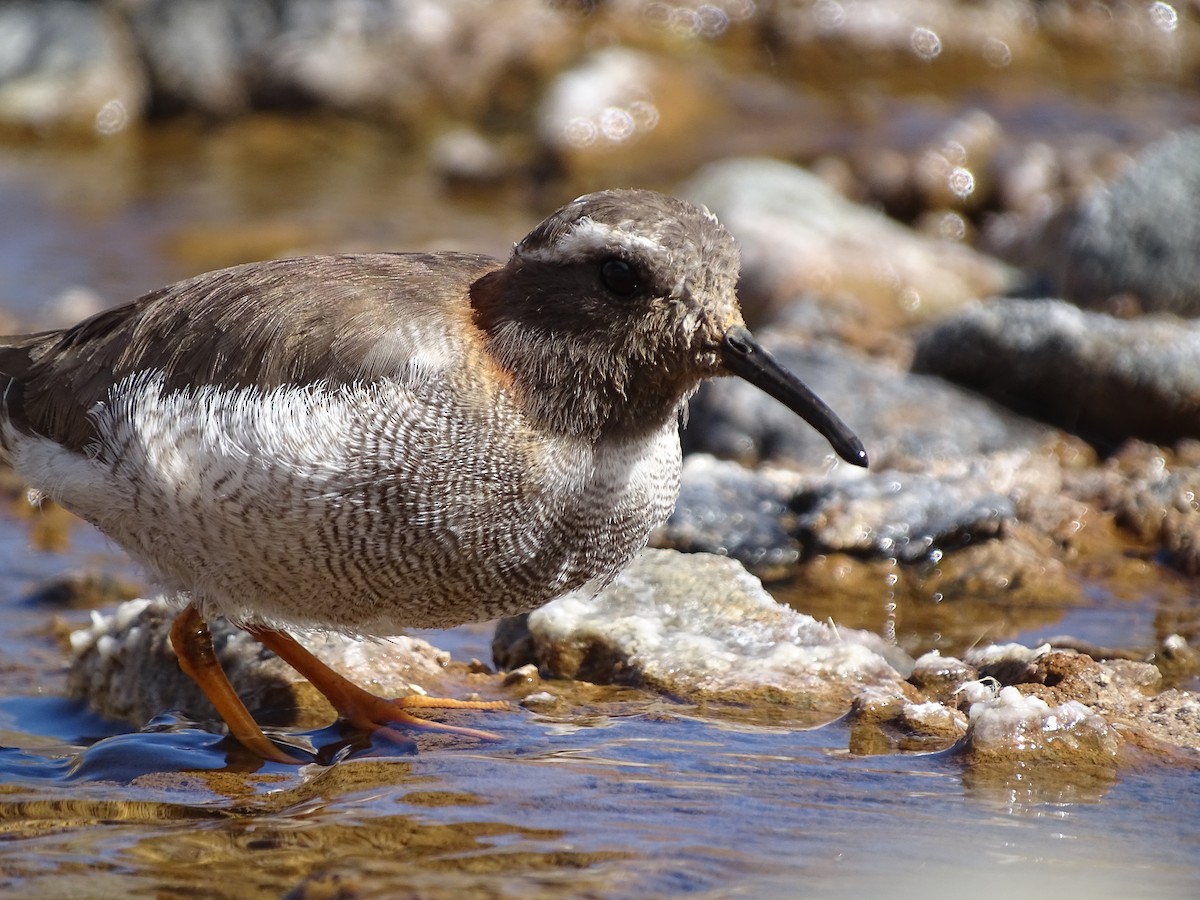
[339, 319]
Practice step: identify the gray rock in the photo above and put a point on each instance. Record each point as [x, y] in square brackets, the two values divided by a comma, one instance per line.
[701, 627]
[1140, 236]
[902, 515]
[798, 234]
[985, 530]
[1106, 379]
[66, 63]
[907, 421]
[729, 510]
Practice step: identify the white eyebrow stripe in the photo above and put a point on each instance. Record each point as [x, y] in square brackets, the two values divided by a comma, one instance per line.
[589, 236]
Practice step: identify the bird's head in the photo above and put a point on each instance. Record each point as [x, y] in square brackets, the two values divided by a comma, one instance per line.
[627, 299]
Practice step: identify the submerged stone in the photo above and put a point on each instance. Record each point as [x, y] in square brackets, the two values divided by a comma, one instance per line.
[1014, 726]
[124, 668]
[702, 628]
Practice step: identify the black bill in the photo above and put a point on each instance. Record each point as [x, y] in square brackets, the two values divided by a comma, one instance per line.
[743, 356]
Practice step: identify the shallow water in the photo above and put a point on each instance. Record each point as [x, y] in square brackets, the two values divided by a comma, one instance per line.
[662, 800]
[639, 805]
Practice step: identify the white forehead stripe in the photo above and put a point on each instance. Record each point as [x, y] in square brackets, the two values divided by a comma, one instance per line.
[589, 237]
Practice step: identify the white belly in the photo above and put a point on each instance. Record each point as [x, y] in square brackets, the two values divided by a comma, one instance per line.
[364, 509]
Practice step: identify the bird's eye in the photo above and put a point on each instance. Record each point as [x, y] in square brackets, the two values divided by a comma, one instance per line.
[619, 277]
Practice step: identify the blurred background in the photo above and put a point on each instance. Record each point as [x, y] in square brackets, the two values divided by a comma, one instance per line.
[972, 227]
[146, 140]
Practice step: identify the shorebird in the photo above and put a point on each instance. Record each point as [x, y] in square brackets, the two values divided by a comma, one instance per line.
[364, 443]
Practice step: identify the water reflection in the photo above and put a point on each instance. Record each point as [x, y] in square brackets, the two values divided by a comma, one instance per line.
[659, 806]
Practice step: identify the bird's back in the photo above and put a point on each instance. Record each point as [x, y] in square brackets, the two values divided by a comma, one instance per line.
[252, 325]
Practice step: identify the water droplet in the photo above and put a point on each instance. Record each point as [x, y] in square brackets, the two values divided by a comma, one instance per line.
[111, 117]
[961, 182]
[925, 43]
[1163, 16]
[997, 53]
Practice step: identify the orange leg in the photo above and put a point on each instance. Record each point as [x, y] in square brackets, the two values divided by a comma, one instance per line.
[194, 649]
[360, 707]
[193, 646]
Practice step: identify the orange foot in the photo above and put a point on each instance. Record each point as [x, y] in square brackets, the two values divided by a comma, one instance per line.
[193, 646]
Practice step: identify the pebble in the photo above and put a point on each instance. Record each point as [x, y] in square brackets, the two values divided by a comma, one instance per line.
[1103, 378]
[1134, 242]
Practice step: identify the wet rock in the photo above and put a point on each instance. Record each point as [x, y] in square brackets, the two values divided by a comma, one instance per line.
[999, 587]
[883, 722]
[900, 515]
[906, 421]
[124, 668]
[729, 510]
[702, 628]
[977, 536]
[1126, 693]
[941, 678]
[65, 63]
[932, 720]
[1006, 664]
[1153, 492]
[1103, 378]
[1018, 728]
[797, 235]
[1058, 676]
[1135, 241]
[1023, 568]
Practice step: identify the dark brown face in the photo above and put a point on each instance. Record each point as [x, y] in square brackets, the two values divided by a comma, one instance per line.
[651, 271]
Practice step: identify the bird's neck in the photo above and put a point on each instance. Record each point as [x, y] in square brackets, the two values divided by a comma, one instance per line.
[581, 385]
